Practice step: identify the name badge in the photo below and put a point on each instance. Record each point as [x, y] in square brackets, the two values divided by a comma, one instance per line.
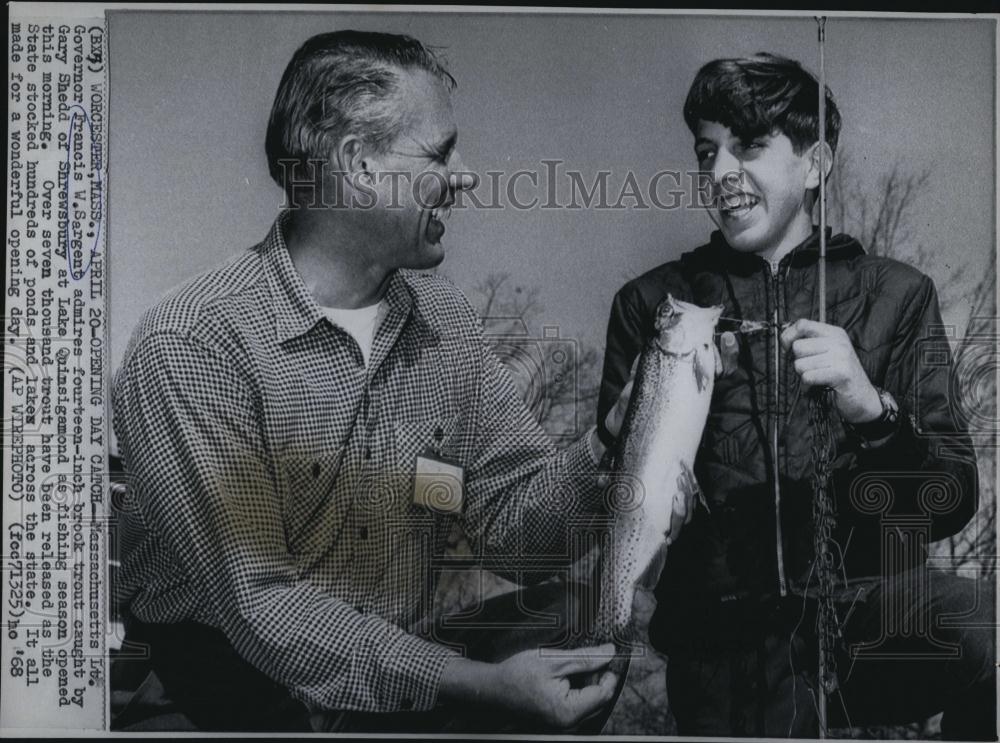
[437, 484]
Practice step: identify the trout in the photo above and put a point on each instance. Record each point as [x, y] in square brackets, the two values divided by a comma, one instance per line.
[654, 489]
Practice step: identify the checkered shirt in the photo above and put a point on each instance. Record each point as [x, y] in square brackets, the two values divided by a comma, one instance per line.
[271, 475]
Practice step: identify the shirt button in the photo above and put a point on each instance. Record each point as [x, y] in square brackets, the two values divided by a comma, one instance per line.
[368, 453]
[363, 532]
[438, 434]
[315, 469]
[406, 703]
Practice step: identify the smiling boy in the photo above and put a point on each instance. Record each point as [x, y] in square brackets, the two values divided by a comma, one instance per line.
[736, 609]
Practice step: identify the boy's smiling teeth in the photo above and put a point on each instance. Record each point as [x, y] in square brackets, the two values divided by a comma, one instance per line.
[738, 204]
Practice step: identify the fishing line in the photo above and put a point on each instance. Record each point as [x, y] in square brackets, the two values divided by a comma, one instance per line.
[843, 553]
[795, 630]
[791, 659]
[843, 706]
[854, 659]
[840, 624]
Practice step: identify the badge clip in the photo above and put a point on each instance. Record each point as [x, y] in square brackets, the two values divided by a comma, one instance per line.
[438, 484]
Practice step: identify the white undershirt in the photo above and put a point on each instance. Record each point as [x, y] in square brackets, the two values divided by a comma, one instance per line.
[360, 323]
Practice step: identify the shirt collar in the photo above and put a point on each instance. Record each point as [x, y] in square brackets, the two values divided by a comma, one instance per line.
[296, 311]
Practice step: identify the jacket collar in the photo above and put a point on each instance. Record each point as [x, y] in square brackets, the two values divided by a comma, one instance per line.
[838, 247]
[296, 312]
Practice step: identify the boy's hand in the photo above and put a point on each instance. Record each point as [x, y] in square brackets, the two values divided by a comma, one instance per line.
[824, 357]
[726, 353]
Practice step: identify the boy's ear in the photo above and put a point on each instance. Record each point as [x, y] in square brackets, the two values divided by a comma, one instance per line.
[813, 177]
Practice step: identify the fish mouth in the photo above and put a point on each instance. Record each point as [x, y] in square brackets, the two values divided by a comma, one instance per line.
[670, 311]
[678, 337]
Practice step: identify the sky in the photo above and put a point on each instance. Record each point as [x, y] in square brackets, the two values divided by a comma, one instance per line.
[191, 93]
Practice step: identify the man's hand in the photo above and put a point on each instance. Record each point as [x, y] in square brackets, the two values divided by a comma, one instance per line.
[616, 416]
[534, 684]
[824, 357]
[538, 685]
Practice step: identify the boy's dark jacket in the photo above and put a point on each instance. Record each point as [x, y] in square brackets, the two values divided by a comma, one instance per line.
[925, 473]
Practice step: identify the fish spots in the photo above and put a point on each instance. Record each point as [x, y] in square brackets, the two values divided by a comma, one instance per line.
[624, 495]
[654, 486]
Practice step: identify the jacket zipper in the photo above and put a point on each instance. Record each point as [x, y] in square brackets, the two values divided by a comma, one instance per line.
[773, 281]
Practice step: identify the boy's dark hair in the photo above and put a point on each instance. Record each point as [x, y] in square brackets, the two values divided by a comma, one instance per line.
[753, 96]
[338, 83]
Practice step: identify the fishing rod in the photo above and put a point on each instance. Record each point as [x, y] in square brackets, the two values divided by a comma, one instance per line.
[821, 32]
[823, 515]
[821, 665]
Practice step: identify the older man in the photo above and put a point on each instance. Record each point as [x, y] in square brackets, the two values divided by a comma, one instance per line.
[304, 425]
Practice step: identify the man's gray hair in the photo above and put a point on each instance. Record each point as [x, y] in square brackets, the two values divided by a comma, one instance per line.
[339, 83]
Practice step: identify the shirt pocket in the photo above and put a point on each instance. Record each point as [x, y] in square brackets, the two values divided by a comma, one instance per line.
[440, 437]
[437, 435]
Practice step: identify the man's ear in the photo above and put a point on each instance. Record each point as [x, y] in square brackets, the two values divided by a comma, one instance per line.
[813, 177]
[351, 158]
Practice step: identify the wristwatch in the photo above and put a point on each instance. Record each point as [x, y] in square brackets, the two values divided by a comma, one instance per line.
[875, 431]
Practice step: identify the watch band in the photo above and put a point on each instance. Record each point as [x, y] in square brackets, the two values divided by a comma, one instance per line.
[885, 425]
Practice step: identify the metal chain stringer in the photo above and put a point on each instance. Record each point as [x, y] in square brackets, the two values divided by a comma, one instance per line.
[824, 523]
